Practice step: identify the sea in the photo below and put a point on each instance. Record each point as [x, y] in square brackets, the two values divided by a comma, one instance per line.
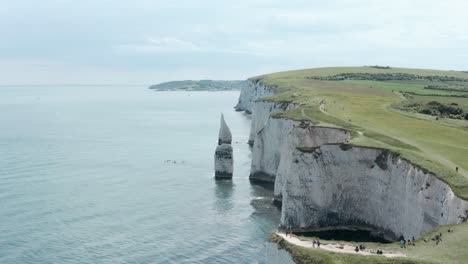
[125, 174]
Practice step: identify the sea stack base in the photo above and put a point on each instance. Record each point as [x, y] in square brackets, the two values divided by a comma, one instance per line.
[223, 162]
[223, 175]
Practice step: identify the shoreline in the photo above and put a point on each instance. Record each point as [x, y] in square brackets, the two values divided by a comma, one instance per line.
[337, 248]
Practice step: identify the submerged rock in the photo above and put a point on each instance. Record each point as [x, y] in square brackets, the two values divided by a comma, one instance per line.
[223, 155]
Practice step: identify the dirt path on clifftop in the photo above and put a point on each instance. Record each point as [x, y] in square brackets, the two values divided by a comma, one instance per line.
[338, 248]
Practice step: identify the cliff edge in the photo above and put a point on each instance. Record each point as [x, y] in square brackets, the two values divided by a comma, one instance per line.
[338, 154]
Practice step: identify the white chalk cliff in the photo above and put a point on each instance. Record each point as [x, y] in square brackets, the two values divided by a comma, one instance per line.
[249, 94]
[323, 182]
[224, 155]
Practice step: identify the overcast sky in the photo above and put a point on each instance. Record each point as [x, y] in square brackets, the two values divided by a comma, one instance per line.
[143, 42]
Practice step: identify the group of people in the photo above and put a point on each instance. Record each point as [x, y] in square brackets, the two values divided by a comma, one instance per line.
[404, 243]
[361, 247]
[316, 243]
[437, 238]
[289, 233]
[286, 230]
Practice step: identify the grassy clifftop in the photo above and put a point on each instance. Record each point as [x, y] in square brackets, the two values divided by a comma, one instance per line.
[419, 114]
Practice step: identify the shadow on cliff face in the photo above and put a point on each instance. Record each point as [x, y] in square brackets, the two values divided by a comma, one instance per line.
[262, 186]
[262, 201]
[346, 234]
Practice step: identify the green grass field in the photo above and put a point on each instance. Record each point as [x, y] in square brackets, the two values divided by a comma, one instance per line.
[367, 108]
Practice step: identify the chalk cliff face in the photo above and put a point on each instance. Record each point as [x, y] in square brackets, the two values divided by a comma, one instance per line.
[333, 185]
[277, 137]
[249, 94]
[328, 183]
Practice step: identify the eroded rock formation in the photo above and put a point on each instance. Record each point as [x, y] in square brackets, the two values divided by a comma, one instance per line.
[225, 136]
[224, 154]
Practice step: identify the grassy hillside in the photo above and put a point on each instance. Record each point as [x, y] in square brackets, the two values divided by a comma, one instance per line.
[385, 108]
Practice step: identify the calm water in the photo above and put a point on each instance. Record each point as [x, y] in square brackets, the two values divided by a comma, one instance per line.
[84, 178]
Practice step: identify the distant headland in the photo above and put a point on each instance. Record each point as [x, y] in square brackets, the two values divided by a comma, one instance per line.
[199, 85]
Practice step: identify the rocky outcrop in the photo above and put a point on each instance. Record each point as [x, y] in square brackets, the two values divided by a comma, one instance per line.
[322, 181]
[277, 137]
[224, 136]
[254, 90]
[262, 111]
[276, 255]
[223, 162]
[223, 154]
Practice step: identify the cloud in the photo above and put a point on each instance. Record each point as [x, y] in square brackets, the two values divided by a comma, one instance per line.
[168, 41]
[233, 35]
[57, 73]
[160, 45]
[172, 45]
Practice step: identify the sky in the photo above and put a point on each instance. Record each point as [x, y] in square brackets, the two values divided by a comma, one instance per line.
[127, 42]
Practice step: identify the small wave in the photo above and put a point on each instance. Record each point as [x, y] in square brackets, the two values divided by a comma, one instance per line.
[259, 198]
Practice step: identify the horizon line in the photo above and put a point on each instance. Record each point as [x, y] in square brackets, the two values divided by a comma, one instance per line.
[16, 85]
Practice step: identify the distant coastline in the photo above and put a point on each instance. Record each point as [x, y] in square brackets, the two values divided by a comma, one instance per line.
[200, 85]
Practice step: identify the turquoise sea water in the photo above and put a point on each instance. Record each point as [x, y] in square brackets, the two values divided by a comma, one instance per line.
[85, 178]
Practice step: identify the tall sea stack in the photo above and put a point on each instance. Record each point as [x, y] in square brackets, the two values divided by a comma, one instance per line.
[223, 154]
